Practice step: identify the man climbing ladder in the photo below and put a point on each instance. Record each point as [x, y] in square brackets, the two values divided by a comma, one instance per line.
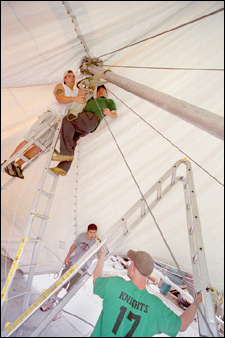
[65, 98]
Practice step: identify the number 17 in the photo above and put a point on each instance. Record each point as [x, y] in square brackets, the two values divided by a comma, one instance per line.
[130, 316]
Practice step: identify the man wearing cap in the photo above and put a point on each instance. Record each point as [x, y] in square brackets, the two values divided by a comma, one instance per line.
[129, 310]
[85, 123]
[65, 98]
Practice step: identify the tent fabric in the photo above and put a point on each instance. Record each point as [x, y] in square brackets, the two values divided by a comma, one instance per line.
[39, 43]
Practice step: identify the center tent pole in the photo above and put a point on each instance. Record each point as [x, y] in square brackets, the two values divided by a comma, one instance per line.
[199, 117]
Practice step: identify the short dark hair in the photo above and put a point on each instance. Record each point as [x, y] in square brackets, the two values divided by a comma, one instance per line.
[102, 86]
[92, 227]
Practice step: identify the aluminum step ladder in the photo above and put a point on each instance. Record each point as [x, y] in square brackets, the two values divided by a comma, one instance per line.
[34, 216]
[12, 327]
[19, 154]
[126, 225]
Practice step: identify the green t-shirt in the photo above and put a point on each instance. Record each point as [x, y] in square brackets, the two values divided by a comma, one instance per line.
[131, 312]
[102, 102]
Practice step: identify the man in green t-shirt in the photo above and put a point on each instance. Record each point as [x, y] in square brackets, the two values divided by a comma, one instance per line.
[129, 310]
[86, 122]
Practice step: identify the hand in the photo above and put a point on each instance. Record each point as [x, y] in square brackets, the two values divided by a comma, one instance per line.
[80, 99]
[67, 259]
[106, 111]
[199, 298]
[102, 252]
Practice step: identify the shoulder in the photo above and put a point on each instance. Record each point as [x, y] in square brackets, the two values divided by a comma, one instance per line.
[103, 281]
[59, 88]
[110, 101]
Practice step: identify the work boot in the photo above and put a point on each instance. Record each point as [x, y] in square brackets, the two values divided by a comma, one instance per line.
[19, 171]
[11, 170]
[61, 158]
[59, 171]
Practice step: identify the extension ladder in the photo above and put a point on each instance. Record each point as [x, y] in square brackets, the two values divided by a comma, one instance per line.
[120, 231]
[41, 218]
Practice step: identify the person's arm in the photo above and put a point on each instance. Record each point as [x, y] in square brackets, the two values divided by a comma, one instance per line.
[110, 113]
[61, 98]
[188, 315]
[71, 250]
[99, 267]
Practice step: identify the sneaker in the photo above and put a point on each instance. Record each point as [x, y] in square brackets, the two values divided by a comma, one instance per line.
[60, 158]
[11, 170]
[59, 171]
[59, 315]
[49, 304]
[19, 171]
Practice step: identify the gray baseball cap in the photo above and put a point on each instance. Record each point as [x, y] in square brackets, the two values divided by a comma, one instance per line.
[143, 261]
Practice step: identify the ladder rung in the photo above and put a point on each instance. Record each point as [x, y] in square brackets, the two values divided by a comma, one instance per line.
[40, 215]
[195, 258]
[35, 239]
[20, 295]
[159, 190]
[27, 265]
[37, 143]
[143, 212]
[24, 158]
[125, 229]
[173, 177]
[47, 194]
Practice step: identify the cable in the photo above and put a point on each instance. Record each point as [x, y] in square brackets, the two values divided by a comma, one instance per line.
[167, 68]
[162, 33]
[69, 313]
[174, 145]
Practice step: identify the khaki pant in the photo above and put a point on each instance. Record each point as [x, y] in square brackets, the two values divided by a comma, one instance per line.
[42, 122]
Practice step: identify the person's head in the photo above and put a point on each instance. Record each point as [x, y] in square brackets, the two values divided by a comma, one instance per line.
[142, 264]
[101, 91]
[91, 231]
[69, 78]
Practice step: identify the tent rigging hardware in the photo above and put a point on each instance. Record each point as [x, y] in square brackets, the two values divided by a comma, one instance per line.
[34, 215]
[112, 240]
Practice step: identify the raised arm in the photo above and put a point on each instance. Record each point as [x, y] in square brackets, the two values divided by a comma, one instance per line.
[188, 315]
[59, 93]
[99, 267]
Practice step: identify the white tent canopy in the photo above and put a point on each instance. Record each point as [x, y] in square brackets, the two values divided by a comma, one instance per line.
[40, 41]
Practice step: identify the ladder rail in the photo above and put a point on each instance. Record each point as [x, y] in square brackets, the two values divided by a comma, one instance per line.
[46, 213]
[199, 266]
[25, 237]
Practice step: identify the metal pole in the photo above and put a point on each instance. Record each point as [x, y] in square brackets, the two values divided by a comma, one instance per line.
[201, 118]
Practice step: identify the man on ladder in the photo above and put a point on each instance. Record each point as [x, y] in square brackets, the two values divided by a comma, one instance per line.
[65, 98]
[85, 123]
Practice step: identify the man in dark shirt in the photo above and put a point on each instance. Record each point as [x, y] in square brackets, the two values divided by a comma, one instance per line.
[86, 122]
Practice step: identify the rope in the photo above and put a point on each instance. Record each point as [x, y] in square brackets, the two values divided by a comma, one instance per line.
[69, 313]
[165, 32]
[153, 217]
[174, 145]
